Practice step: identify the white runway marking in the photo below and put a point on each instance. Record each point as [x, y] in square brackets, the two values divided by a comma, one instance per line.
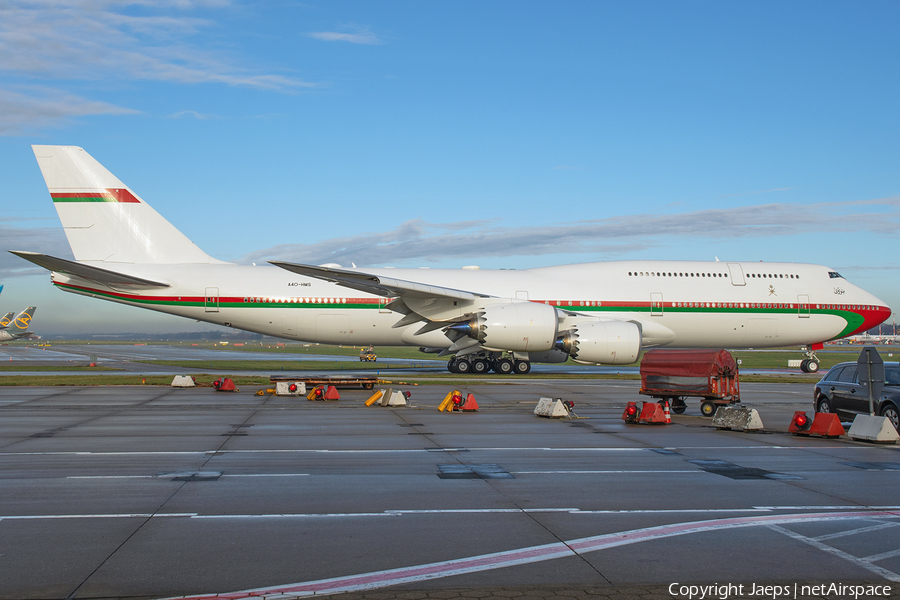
[413, 512]
[532, 554]
[840, 534]
[865, 563]
[423, 450]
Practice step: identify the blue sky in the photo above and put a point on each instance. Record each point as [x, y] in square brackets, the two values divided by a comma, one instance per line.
[502, 134]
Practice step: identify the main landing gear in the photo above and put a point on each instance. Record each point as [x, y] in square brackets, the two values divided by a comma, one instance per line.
[482, 362]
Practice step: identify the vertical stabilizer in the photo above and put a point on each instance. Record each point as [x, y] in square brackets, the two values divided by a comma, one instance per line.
[5, 320]
[103, 219]
[23, 319]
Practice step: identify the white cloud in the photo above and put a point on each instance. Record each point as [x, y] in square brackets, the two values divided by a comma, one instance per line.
[194, 114]
[62, 41]
[362, 36]
[602, 238]
[34, 108]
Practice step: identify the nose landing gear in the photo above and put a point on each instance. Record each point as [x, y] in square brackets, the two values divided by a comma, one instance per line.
[810, 364]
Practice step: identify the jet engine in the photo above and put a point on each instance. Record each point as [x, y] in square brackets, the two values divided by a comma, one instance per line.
[602, 342]
[517, 327]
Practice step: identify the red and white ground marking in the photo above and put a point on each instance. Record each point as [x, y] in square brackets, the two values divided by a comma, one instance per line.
[499, 560]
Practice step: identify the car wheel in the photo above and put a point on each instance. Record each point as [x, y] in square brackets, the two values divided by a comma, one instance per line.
[823, 405]
[890, 411]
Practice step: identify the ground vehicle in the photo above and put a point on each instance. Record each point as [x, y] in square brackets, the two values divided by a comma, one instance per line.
[840, 392]
[674, 375]
[367, 355]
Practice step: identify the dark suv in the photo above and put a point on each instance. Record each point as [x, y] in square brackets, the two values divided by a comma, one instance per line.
[839, 392]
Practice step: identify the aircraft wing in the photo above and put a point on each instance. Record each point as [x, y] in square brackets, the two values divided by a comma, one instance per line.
[378, 285]
[91, 273]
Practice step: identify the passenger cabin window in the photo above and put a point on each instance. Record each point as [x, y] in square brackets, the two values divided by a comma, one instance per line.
[848, 375]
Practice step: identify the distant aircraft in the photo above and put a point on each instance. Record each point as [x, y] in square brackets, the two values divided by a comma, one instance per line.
[597, 313]
[6, 319]
[17, 329]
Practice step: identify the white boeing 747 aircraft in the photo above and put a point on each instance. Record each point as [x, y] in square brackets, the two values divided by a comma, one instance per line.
[595, 313]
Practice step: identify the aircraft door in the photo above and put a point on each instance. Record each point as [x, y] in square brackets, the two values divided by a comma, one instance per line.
[211, 300]
[737, 274]
[656, 304]
[803, 306]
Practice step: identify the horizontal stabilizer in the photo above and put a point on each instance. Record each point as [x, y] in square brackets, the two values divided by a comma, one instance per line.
[95, 274]
[376, 284]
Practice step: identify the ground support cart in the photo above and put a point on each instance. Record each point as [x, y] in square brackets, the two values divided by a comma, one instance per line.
[673, 375]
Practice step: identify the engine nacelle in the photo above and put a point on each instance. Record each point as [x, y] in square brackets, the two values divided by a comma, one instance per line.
[602, 342]
[549, 356]
[517, 327]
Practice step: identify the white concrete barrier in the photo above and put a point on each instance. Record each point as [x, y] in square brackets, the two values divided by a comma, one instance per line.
[183, 381]
[283, 388]
[397, 398]
[873, 429]
[731, 417]
[550, 408]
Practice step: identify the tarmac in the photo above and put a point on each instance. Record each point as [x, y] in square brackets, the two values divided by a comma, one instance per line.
[153, 492]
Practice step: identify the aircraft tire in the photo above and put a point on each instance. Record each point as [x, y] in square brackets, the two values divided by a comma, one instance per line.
[480, 366]
[808, 365]
[451, 365]
[522, 367]
[503, 366]
[463, 366]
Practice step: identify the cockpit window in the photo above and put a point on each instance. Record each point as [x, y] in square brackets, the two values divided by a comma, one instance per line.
[834, 275]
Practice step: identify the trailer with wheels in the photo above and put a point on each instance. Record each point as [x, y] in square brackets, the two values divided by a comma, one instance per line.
[674, 375]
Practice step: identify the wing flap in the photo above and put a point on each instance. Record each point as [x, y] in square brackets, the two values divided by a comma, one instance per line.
[376, 284]
[91, 273]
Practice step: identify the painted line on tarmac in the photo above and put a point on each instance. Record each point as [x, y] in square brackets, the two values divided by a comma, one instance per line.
[865, 563]
[169, 476]
[450, 511]
[532, 554]
[421, 450]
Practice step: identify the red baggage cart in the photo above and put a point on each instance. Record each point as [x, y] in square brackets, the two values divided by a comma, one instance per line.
[673, 375]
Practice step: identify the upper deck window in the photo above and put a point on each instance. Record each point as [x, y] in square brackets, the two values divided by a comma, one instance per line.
[834, 275]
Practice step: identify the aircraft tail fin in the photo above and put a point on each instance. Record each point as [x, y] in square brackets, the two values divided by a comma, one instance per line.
[6, 319]
[103, 219]
[23, 319]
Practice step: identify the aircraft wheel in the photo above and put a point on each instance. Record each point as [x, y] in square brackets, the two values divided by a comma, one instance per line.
[708, 409]
[522, 367]
[480, 366]
[503, 366]
[812, 366]
[463, 366]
